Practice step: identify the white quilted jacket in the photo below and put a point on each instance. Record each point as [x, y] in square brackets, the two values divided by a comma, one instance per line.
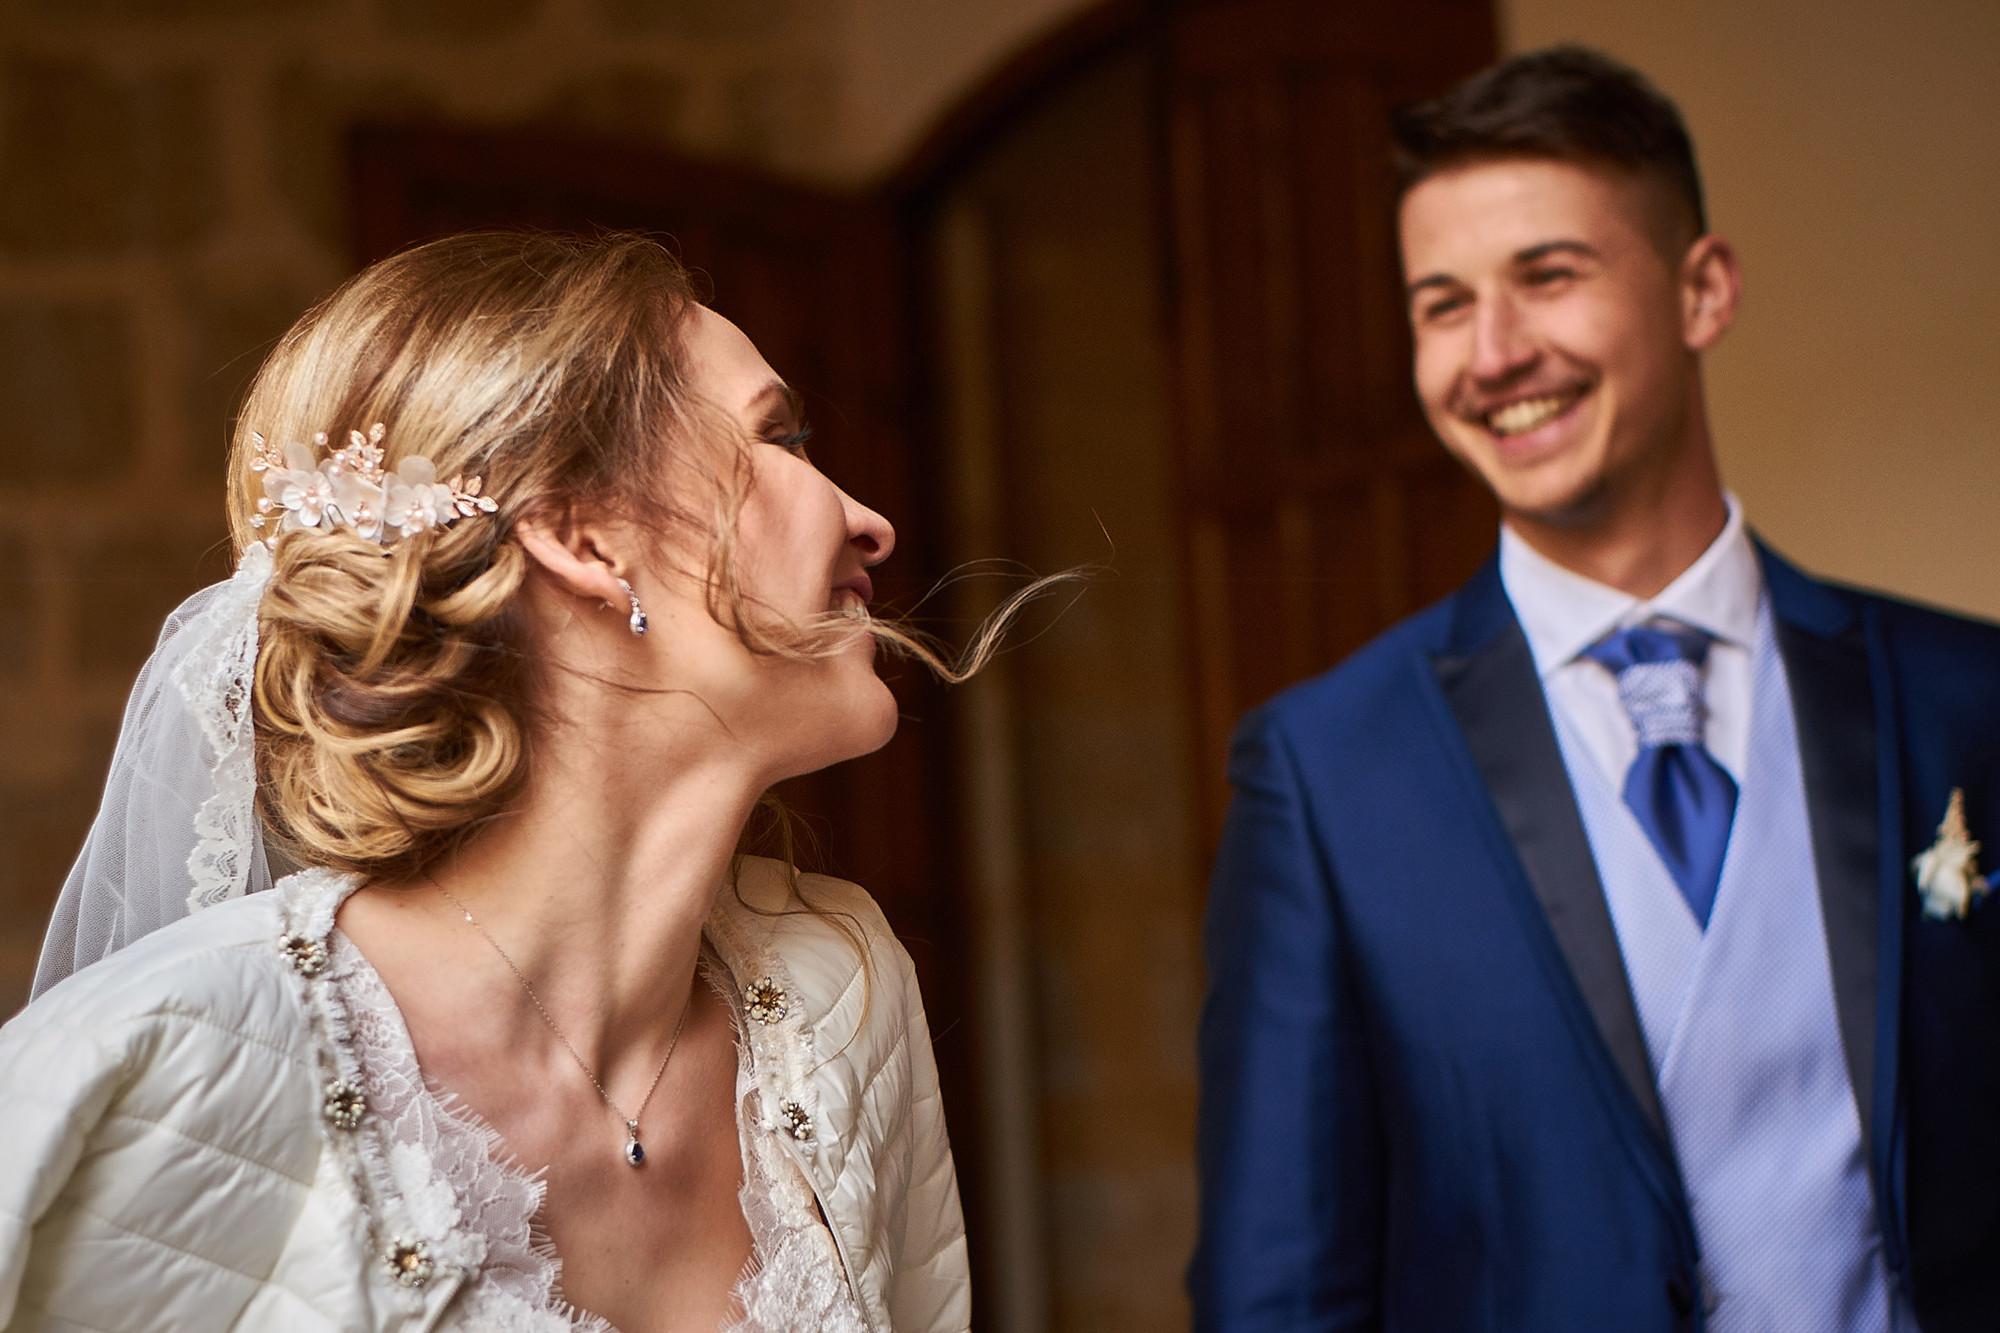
[168, 1160]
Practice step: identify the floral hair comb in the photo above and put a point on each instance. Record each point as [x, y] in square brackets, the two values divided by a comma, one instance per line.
[350, 489]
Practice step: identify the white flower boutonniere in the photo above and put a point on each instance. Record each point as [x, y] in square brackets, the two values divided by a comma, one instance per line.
[1948, 878]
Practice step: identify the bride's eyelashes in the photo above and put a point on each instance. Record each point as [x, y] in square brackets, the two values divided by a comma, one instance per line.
[792, 442]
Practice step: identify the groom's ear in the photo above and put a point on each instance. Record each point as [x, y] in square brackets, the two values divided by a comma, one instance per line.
[1711, 289]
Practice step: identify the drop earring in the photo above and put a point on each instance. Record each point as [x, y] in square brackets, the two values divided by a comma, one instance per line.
[638, 621]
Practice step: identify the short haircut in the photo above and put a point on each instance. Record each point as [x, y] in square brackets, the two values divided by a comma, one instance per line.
[1568, 103]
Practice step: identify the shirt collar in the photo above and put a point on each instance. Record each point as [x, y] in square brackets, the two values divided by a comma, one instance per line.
[1562, 612]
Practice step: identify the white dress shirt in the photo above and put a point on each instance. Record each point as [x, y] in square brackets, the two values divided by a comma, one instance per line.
[1562, 613]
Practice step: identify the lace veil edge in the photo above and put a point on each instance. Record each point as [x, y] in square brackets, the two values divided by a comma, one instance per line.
[177, 828]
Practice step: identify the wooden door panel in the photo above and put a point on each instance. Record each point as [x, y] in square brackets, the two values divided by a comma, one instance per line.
[1318, 509]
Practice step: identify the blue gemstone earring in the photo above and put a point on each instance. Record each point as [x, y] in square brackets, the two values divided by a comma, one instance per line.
[638, 621]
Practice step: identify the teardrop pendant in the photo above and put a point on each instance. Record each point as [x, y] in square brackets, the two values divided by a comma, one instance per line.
[634, 1154]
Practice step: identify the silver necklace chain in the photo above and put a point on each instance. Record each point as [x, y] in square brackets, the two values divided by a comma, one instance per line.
[634, 1154]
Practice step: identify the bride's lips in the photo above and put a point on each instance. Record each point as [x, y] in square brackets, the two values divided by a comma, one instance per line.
[851, 597]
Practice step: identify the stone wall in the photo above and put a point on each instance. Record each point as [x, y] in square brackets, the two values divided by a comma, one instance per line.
[172, 196]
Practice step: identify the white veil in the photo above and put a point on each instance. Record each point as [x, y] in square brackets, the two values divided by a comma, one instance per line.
[178, 828]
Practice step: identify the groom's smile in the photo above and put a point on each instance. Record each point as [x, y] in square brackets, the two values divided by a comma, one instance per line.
[1524, 415]
[1546, 316]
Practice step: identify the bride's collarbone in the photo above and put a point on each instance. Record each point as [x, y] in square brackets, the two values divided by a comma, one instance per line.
[660, 1246]
[656, 1248]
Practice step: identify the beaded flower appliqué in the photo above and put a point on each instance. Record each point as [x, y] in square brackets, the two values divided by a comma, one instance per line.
[765, 1000]
[350, 489]
[795, 1121]
[306, 954]
[343, 1105]
[408, 1261]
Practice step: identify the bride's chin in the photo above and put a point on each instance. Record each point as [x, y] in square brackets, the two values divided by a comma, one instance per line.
[854, 723]
[878, 717]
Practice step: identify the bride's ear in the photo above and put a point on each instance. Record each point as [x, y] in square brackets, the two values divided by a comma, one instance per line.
[576, 556]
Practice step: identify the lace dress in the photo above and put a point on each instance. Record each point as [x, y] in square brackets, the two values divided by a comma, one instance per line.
[455, 1174]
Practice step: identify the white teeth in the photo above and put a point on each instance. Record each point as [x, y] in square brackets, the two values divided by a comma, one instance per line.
[1519, 418]
[847, 602]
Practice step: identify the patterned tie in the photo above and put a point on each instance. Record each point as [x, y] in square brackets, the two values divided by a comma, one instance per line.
[1683, 799]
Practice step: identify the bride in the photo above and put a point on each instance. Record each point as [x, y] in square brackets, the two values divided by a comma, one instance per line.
[540, 595]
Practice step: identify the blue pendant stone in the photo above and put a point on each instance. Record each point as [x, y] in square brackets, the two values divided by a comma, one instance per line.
[634, 1154]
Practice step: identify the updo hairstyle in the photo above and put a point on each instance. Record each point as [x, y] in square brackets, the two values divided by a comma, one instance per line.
[391, 694]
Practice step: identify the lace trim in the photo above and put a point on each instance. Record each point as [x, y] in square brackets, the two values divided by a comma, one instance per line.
[804, 1262]
[426, 1166]
[389, 1218]
[797, 1281]
[216, 678]
[454, 1169]
[782, 1046]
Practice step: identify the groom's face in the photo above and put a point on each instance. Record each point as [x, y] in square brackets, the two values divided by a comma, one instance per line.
[1547, 306]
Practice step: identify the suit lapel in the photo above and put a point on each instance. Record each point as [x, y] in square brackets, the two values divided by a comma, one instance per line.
[1489, 680]
[1825, 651]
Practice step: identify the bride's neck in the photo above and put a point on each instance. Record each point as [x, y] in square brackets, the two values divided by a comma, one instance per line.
[598, 880]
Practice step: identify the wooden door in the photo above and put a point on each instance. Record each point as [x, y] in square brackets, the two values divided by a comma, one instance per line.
[822, 285]
[1318, 507]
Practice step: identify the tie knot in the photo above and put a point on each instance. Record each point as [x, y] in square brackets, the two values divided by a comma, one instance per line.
[1659, 681]
[1649, 644]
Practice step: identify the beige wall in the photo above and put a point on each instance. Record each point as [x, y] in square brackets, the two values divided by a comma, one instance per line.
[1852, 152]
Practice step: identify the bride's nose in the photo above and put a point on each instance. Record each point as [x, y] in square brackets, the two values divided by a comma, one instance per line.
[867, 531]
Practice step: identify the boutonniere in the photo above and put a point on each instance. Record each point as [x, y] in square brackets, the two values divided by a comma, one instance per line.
[1948, 878]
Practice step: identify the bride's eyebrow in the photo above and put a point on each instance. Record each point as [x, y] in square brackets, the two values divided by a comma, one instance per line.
[780, 406]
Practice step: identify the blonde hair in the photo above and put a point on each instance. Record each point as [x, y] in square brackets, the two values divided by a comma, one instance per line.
[390, 697]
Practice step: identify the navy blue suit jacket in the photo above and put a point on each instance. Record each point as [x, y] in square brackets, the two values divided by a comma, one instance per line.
[1426, 1100]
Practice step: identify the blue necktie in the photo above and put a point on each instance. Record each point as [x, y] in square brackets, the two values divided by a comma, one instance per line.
[1683, 799]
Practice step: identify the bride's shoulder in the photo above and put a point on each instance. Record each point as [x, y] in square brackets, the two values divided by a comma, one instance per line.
[191, 1046]
[773, 890]
[826, 933]
[228, 966]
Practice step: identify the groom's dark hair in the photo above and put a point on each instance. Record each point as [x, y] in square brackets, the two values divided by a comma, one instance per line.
[1569, 103]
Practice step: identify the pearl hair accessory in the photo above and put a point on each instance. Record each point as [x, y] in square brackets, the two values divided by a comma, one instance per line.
[350, 489]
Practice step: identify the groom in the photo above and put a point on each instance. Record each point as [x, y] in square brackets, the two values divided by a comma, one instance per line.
[1569, 972]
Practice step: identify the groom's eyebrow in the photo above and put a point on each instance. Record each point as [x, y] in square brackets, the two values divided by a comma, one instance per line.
[1520, 259]
[1559, 247]
[1432, 280]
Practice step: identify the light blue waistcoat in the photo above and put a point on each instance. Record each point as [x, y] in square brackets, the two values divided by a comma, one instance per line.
[1745, 1042]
